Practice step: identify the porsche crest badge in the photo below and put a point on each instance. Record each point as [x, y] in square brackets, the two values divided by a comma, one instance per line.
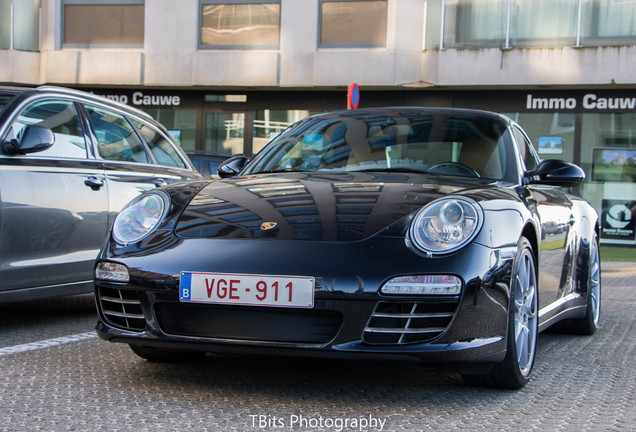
[265, 226]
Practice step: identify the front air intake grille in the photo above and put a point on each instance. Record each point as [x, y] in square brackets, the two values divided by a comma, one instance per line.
[122, 308]
[394, 323]
[248, 323]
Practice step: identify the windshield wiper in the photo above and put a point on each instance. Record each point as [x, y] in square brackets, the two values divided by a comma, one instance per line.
[289, 170]
[396, 169]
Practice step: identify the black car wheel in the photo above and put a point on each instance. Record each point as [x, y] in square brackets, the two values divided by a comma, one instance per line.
[159, 355]
[514, 372]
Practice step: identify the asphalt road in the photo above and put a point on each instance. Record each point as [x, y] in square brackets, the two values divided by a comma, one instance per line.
[55, 375]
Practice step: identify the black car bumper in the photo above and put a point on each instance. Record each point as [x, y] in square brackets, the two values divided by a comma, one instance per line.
[470, 327]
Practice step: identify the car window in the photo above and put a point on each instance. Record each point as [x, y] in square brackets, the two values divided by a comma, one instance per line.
[162, 150]
[526, 150]
[116, 138]
[61, 118]
[213, 167]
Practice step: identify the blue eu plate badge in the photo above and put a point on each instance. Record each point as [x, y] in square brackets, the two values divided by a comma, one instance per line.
[185, 291]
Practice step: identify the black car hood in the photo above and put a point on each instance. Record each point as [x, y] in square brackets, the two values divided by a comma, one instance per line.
[313, 207]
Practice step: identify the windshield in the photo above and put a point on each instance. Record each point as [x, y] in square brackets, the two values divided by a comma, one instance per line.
[426, 140]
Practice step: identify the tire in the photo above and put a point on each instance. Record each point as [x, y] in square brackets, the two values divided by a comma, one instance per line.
[159, 355]
[523, 318]
[592, 281]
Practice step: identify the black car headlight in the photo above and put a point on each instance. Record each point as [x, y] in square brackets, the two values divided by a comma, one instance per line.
[139, 218]
[445, 225]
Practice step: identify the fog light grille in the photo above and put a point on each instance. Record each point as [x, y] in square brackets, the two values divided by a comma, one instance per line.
[397, 323]
[122, 308]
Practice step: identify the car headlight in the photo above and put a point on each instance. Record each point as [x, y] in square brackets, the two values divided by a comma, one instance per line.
[445, 225]
[139, 218]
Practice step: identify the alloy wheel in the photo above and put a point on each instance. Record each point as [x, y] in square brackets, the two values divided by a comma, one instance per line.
[595, 283]
[525, 313]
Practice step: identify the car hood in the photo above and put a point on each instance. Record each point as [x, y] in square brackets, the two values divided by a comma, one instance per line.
[336, 207]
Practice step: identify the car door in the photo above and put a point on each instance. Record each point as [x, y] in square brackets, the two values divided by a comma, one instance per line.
[555, 259]
[555, 213]
[53, 218]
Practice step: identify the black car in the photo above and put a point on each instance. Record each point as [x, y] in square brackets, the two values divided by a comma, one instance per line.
[207, 163]
[69, 161]
[395, 233]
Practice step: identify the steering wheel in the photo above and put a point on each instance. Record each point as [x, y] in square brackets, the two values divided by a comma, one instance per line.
[451, 168]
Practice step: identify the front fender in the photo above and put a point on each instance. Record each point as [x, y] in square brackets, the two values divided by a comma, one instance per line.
[503, 223]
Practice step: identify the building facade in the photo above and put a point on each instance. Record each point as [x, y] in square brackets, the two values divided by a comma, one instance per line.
[227, 75]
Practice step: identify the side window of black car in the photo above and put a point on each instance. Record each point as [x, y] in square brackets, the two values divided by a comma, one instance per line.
[60, 116]
[116, 138]
[526, 150]
[162, 150]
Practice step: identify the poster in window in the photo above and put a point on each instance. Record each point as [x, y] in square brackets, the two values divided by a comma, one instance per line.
[614, 165]
[618, 220]
[551, 145]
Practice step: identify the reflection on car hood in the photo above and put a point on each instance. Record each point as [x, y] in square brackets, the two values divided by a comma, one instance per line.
[311, 207]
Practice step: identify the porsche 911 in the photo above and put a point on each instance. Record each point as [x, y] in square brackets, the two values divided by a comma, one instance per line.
[405, 233]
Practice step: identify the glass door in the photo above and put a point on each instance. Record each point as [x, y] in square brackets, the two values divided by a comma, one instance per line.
[225, 132]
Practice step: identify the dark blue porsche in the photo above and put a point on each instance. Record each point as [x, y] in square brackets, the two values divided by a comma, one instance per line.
[392, 233]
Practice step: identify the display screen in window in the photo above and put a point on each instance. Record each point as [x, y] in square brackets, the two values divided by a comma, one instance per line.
[614, 165]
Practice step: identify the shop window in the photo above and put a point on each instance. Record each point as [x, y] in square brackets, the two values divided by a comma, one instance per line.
[20, 25]
[181, 124]
[225, 132]
[552, 134]
[116, 23]
[608, 157]
[353, 23]
[234, 24]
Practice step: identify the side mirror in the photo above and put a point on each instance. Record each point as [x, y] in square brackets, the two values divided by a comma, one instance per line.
[231, 167]
[554, 172]
[31, 139]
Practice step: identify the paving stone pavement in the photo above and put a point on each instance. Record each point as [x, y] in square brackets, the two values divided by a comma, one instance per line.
[580, 383]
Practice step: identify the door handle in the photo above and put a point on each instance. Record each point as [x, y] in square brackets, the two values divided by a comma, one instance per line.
[94, 182]
[160, 182]
[572, 220]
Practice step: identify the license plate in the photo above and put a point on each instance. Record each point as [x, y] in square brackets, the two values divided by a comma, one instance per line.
[248, 290]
